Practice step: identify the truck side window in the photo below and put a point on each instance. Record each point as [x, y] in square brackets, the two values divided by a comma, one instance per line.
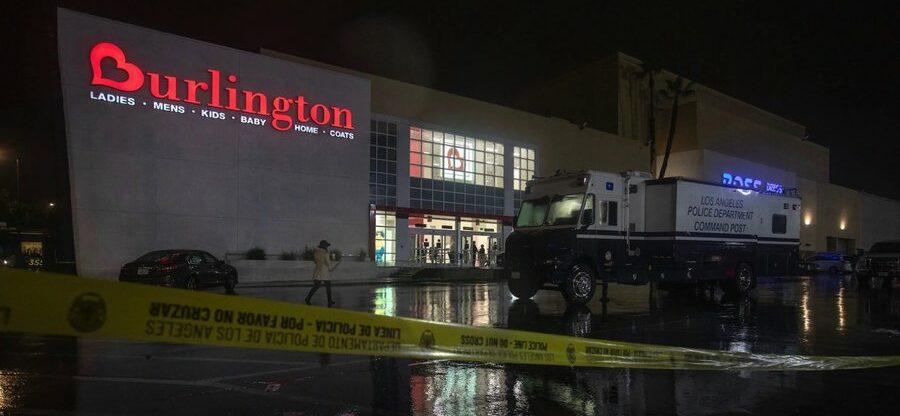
[779, 224]
[609, 213]
[587, 215]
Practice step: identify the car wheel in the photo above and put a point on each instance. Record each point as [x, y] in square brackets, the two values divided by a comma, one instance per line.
[744, 280]
[526, 285]
[230, 282]
[580, 285]
[191, 283]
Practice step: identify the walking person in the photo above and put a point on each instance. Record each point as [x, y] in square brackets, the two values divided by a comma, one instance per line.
[495, 250]
[482, 256]
[321, 275]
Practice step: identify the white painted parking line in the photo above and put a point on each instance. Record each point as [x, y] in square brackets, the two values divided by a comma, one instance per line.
[285, 370]
[170, 382]
[255, 374]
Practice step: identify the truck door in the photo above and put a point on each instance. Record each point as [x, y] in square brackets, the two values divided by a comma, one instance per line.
[602, 237]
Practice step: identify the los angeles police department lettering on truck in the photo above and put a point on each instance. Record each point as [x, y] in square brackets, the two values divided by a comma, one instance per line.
[576, 230]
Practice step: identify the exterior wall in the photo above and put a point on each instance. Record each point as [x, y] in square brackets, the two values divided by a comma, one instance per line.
[633, 87]
[144, 179]
[880, 220]
[560, 143]
[811, 240]
[730, 127]
[867, 218]
[715, 164]
[685, 138]
[687, 164]
[708, 165]
[838, 207]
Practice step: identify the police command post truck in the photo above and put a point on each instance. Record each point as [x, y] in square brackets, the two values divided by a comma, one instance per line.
[574, 231]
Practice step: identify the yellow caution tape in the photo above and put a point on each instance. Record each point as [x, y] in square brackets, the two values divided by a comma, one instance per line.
[91, 308]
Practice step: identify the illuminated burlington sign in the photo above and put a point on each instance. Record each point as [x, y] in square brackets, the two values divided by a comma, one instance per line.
[216, 92]
[751, 183]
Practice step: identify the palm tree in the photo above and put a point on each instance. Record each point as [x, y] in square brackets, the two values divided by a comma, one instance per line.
[649, 70]
[675, 89]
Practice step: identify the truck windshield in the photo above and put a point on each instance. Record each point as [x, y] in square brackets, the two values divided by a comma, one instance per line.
[559, 210]
[532, 213]
[564, 209]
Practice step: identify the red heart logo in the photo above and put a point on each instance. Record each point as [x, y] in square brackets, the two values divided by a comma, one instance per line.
[104, 50]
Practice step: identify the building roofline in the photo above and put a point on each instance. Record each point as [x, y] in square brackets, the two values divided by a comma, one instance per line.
[635, 61]
[294, 58]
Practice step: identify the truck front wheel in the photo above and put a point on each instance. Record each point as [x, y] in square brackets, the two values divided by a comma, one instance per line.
[580, 285]
[524, 284]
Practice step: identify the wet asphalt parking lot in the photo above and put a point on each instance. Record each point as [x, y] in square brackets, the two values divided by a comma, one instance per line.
[813, 315]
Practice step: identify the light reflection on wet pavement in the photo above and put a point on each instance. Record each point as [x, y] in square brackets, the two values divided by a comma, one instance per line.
[822, 315]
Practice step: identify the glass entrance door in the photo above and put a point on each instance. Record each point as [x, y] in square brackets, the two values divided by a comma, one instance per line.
[479, 250]
[432, 248]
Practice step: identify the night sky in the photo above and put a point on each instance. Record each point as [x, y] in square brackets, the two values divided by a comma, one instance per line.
[832, 68]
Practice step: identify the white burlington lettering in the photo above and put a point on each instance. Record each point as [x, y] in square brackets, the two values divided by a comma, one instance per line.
[256, 121]
[212, 114]
[112, 98]
[306, 129]
[341, 134]
[168, 107]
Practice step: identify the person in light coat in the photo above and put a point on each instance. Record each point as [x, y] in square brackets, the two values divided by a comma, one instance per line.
[322, 273]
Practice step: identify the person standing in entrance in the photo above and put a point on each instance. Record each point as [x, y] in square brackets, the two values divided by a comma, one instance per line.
[321, 275]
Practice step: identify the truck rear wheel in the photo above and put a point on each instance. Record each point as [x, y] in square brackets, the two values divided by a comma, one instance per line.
[525, 285]
[580, 285]
[743, 282]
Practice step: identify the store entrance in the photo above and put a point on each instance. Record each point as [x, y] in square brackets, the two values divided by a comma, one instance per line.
[442, 241]
[480, 250]
[429, 247]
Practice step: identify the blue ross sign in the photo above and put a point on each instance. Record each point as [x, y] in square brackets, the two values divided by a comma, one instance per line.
[751, 183]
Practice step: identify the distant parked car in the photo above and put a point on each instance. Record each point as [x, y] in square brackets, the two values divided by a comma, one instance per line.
[188, 269]
[883, 260]
[833, 263]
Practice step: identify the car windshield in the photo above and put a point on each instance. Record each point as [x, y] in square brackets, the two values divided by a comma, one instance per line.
[560, 210]
[886, 247]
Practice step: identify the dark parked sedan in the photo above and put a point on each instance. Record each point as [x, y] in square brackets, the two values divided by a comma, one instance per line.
[189, 269]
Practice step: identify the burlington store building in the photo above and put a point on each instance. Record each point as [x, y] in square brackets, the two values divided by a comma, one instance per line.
[448, 173]
[176, 143]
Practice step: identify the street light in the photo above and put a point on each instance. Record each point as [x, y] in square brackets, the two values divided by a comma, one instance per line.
[51, 205]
